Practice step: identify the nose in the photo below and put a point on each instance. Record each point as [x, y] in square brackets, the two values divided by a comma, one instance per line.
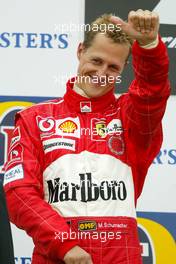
[101, 71]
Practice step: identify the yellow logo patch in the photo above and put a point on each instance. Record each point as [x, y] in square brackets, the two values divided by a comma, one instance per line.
[101, 128]
[87, 225]
[68, 126]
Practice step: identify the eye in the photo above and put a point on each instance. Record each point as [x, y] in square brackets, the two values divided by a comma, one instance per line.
[114, 68]
[96, 61]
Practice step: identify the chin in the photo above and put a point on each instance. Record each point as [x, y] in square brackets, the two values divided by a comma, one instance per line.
[96, 93]
[96, 89]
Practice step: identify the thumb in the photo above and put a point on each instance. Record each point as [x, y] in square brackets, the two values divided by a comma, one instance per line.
[118, 21]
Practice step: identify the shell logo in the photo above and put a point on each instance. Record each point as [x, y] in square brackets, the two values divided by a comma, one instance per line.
[68, 126]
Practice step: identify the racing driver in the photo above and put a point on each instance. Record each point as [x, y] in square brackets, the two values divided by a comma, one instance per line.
[77, 164]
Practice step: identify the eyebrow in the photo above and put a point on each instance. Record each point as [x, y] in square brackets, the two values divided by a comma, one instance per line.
[96, 57]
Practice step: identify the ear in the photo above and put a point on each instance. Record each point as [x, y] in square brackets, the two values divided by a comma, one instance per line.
[80, 50]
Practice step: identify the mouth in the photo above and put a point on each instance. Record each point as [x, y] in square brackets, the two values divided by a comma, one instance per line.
[98, 81]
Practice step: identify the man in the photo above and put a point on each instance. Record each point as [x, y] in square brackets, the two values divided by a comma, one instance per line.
[82, 159]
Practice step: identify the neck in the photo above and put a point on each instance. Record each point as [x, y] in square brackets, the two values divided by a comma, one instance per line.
[78, 90]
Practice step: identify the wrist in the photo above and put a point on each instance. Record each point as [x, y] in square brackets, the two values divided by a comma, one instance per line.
[150, 44]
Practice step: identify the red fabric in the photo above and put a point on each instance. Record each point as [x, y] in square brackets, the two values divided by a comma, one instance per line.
[113, 240]
[98, 104]
[141, 111]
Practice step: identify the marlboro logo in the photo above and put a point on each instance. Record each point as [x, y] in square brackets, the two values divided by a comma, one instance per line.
[86, 190]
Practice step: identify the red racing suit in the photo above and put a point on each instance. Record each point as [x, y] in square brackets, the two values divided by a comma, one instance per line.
[76, 166]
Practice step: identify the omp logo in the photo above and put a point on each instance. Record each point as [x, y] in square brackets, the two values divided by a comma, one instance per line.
[158, 245]
[7, 113]
[87, 225]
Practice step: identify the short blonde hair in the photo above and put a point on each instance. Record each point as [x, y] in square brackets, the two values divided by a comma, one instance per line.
[110, 30]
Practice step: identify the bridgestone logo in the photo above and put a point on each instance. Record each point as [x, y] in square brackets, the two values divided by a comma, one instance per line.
[58, 144]
[86, 190]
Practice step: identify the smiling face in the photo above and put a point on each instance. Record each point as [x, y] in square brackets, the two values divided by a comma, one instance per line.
[100, 65]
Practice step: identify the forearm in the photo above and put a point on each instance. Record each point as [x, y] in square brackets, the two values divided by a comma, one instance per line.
[149, 91]
[29, 212]
[151, 65]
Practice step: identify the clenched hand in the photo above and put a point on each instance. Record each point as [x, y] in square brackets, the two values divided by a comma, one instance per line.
[142, 25]
[77, 255]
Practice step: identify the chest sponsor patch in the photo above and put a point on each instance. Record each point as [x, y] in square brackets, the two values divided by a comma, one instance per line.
[115, 127]
[69, 127]
[13, 174]
[58, 143]
[101, 128]
[87, 225]
[116, 145]
[49, 126]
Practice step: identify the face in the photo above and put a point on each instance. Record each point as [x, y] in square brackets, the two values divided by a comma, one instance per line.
[100, 65]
